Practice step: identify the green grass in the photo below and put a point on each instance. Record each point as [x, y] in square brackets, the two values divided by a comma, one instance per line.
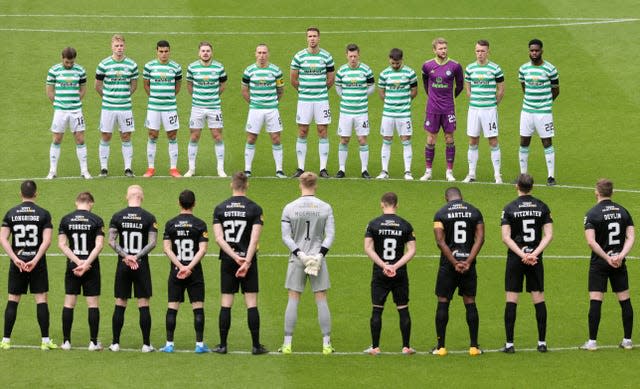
[595, 137]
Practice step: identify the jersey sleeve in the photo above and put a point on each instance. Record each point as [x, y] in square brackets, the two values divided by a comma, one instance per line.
[589, 222]
[410, 235]
[134, 71]
[295, 63]
[203, 232]
[146, 72]
[279, 78]
[329, 230]
[257, 215]
[178, 75]
[46, 222]
[499, 75]
[62, 228]
[217, 215]
[382, 81]
[189, 74]
[167, 231]
[51, 77]
[99, 226]
[505, 217]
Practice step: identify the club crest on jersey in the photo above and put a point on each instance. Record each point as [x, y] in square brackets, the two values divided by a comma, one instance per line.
[448, 73]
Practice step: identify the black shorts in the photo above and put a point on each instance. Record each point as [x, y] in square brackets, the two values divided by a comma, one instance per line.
[601, 273]
[140, 279]
[449, 279]
[230, 284]
[382, 285]
[35, 281]
[194, 285]
[516, 272]
[89, 282]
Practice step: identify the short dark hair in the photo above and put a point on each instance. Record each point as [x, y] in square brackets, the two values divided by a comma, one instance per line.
[239, 181]
[352, 47]
[395, 54]
[316, 29]
[187, 199]
[389, 198]
[452, 193]
[85, 197]
[69, 53]
[483, 42]
[162, 43]
[525, 183]
[604, 187]
[535, 42]
[28, 189]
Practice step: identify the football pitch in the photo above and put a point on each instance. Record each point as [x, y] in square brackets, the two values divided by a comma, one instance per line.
[593, 47]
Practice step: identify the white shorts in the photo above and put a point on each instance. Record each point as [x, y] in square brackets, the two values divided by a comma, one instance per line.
[297, 278]
[348, 122]
[402, 125]
[542, 123]
[313, 111]
[200, 116]
[269, 118]
[109, 119]
[74, 120]
[168, 119]
[482, 119]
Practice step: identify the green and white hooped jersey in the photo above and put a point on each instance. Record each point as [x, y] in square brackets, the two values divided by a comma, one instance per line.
[483, 80]
[354, 83]
[66, 84]
[262, 83]
[537, 86]
[116, 77]
[397, 86]
[206, 82]
[162, 79]
[312, 70]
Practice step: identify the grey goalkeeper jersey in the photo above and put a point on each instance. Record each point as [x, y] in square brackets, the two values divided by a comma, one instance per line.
[307, 225]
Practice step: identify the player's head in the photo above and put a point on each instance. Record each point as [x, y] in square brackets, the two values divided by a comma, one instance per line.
[389, 199]
[84, 200]
[69, 55]
[535, 49]
[205, 51]
[162, 50]
[395, 58]
[187, 199]
[117, 45]
[452, 193]
[313, 37]
[604, 188]
[440, 47]
[353, 54]
[308, 181]
[482, 50]
[135, 195]
[262, 54]
[239, 182]
[28, 189]
[524, 183]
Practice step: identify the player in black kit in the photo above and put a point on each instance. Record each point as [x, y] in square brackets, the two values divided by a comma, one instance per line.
[459, 233]
[527, 229]
[610, 234]
[80, 238]
[30, 229]
[185, 242]
[390, 243]
[133, 234]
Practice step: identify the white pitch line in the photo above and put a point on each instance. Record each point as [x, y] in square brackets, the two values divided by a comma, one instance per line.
[325, 17]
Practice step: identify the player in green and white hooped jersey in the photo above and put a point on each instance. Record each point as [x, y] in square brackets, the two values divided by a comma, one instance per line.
[162, 81]
[354, 83]
[206, 80]
[66, 86]
[262, 88]
[484, 84]
[116, 81]
[541, 86]
[312, 74]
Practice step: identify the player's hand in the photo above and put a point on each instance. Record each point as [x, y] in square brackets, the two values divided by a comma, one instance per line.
[19, 264]
[132, 262]
[240, 260]
[243, 270]
[301, 256]
[79, 270]
[459, 267]
[183, 273]
[614, 260]
[28, 266]
[389, 271]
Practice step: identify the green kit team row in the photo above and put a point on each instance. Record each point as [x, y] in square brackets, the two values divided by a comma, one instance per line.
[308, 232]
[312, 74]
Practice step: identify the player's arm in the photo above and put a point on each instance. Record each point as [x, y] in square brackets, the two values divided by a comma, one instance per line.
[256, 230]
[224, 246]
[459, 77]
[414, 91]
[147, 86]
[381, 92]
[510, 243]
[477, 243]
[168, 251]
[202, 251]
[425, 82]
[151, 244]
[294, 77]
[245, 92]
[499, 91]
[190, 87]
[51, 92]
[555, 88]
[178, 84]
[99, 244]
[5, 232]
[438, 231]
[369, 249]
[279, 87]
[590, 236]
[222, 85]
[331, 78]
[630, 236]
[63, 245]
[133, 86]
[44, 246]
[371, 85]
[99, 84]
[287, 238]
[523, 86]
[83, 88]
[409, 253]
[547, 236]
[113, 243]
[467, 88]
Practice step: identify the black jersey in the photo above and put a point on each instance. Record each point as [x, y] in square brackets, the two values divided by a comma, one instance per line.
[237, 215]
[81, 228]
[526, 215]
[609, 220]
[133, 225]
[459, 220]
[27, 223]
[185, 232]
[390, 234]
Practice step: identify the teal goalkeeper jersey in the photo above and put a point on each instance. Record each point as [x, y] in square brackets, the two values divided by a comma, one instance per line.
[263, 84]
[206, 80]
[312, 70]
[116, 77]
[162, 80]
[354, 83]
[66, 84]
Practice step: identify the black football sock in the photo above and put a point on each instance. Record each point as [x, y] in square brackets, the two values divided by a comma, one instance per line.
[253, 320]
[510, 320]
[67, 322]
[10, 314]
[376, 326]
[42, 311]
[171, 323]
[541, 318]
[117, 321]
[198, 323]
[442, 318]
[473, 321]
[145, 325]
[224, 322]
[405, 326]
[594, 318]
[94, 323]
[627, 317]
